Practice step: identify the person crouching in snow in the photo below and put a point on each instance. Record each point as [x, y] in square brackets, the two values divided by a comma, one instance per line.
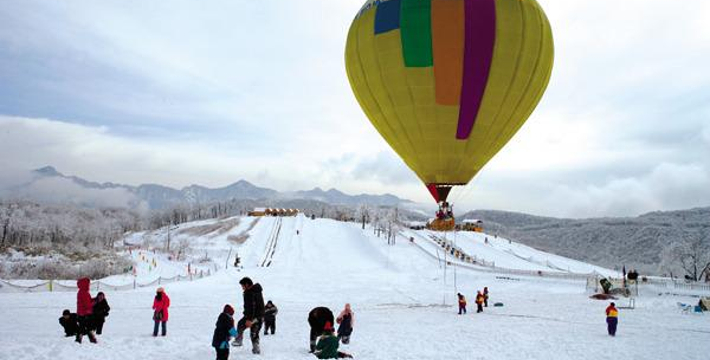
[100, 310]
[327, 346]
[69, 323]
[224, 329]
[317, 318]
[462, 304]
[479, 302]
[161, 303]
[346, 319]
[612, 319]
[84, 310]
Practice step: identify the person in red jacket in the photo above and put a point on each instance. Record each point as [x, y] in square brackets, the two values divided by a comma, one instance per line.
[612, 319]
[161, 303]
[84, 308]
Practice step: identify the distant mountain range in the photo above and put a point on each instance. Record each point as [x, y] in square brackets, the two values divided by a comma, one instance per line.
[83, 192]
[634, 242]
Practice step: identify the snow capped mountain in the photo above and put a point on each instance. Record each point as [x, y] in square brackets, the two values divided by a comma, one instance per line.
[153, 196]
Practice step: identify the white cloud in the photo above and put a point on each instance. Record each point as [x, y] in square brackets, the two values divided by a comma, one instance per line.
[257, 90]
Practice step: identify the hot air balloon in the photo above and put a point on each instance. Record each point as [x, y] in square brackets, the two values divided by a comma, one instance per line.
[448, 82]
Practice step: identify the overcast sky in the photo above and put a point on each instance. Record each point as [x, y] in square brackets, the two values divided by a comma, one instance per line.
[209, 92]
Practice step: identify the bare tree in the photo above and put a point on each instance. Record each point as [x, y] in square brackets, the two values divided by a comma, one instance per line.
[693, 255]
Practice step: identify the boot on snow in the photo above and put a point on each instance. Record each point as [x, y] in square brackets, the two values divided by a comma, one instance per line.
[255, 349]
[237, 341]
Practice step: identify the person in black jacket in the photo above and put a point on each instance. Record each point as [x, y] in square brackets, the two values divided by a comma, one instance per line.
[270, 311]
[253, 314]
[224, 329]
[69, 322]
[317, 319]
[100, 311]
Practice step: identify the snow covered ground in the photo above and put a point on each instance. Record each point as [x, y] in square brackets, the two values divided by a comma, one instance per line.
[403, 298]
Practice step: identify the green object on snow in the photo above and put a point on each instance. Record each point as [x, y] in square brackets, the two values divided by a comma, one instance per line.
[498, 304]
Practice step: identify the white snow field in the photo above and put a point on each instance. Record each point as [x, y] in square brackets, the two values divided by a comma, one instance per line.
[404, 306]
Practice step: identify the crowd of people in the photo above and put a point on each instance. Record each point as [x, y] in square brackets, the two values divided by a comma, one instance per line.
[91, 314]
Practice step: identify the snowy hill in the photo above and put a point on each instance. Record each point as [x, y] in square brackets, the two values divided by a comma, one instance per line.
[402, 295]
[637, 242]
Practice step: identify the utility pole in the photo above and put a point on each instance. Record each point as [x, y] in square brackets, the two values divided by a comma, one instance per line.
[169, 223]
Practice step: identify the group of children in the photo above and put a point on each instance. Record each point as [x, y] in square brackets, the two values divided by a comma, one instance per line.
[481, 301]
[257, 313]
[90, 314]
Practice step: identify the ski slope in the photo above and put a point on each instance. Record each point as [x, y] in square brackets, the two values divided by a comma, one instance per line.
[402, 294]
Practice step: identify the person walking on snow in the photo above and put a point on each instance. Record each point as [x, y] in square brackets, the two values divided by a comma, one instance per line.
[485, 296]
[224, 329]
[317, 318]
[462, 304]
[84, 310]
[100, 310]
[161, 303]
[253, 314]
[346, 319]
[612, 319]
[270, 311]
[479, 302]
[327, 347]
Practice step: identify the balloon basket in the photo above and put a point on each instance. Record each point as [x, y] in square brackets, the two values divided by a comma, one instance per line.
[442, 224]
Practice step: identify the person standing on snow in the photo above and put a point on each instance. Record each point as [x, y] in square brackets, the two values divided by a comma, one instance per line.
[161, 303]
[479, 302]
[612, 319]
[84, 310]
[346, 319]
[100, 310]
[485, 296]
[224, 329]
[462, 304]
[317, 318]
[253, 314]
[270, 311]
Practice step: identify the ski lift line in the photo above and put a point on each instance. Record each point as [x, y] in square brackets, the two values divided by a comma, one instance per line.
[271, 244]
[499, 270]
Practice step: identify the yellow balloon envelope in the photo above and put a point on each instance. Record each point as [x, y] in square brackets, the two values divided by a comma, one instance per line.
[448, 82]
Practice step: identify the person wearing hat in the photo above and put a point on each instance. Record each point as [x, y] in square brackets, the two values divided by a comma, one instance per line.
[317, 318]
[462, 303]
[161, 303]
[69, 323]
[224, 329]
[346, 321]
[479, 302]
[612, 319]
[270, 311]
[327, 347]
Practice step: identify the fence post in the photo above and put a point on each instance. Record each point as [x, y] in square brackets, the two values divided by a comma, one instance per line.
[50, 285]
[159, 277]
[134, 283]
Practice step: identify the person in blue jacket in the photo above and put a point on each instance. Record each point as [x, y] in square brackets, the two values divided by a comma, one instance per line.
[224, 329]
